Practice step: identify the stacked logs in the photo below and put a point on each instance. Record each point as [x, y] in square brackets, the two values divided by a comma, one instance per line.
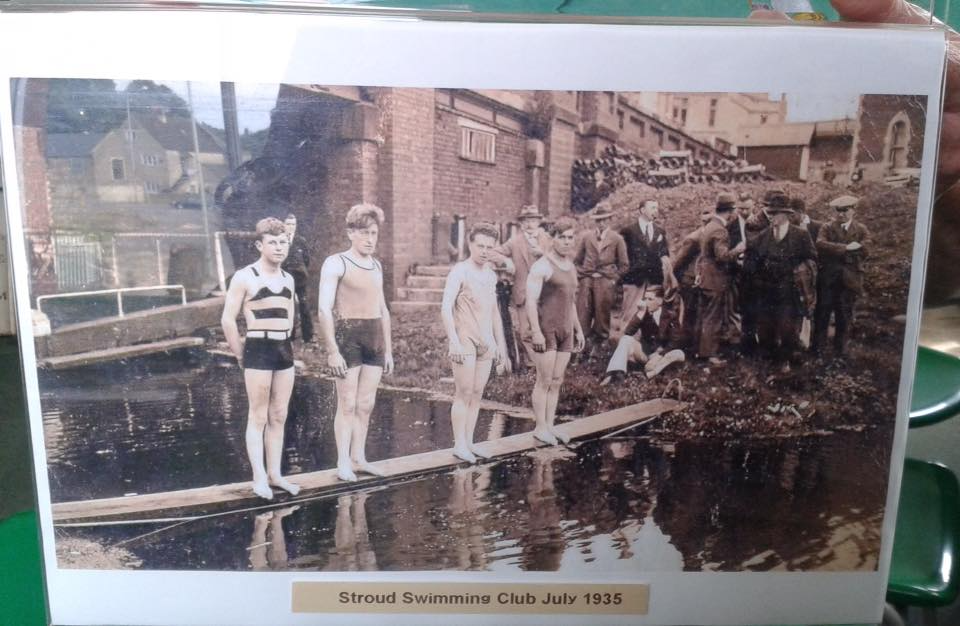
[595, 179]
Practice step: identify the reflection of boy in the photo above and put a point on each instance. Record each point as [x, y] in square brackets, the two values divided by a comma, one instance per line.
[356, 328]
[647, 335]
[264, 293]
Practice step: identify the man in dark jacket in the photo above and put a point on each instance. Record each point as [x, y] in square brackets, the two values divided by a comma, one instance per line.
[685, 271]
[601, 258]
[842, 248]
[774, 259]
[649, 259]
[297, 265]
[713, 271]
[648, 337]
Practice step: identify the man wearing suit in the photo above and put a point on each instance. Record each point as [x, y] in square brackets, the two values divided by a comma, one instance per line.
[755, 221]
[842, 249]
[713, 269]
[775, 257]
[647, 338]
[601, 258]
[517, 255]
[685, 271]
[649, 259]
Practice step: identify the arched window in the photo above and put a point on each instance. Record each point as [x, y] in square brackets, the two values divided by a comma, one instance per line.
[897, 144]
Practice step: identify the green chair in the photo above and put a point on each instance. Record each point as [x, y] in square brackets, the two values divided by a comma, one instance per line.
[925, 571]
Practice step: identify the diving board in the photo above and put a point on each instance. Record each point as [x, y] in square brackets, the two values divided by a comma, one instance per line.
[218, 497]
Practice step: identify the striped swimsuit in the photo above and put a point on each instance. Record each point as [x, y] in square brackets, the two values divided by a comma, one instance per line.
[269, 316]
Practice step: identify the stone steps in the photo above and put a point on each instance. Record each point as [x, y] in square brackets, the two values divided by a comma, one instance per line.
[426, 282]
[414, 294]
[432, 270]
[405, 306]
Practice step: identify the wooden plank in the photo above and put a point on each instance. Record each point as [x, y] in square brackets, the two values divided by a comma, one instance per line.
[326, 481]
[114, 354]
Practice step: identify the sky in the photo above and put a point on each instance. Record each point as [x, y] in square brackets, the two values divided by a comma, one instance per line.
[255, 101]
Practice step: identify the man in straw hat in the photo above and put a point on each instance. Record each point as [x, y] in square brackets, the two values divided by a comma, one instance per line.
[516, 255]
[775, 256]
[841, 246]
[713, 269]
[601, 258]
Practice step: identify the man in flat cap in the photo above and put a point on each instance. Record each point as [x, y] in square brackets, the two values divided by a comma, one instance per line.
[601, 259]
[713, 269]
[516, 256]
[775, 256]
[842, 248]
[649, 258]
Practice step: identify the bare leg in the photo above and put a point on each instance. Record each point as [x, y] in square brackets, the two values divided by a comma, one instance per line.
[553, 393]
[345, 421]
[367, 385]
[481, 376]
[257, 383]
[277, 551]
[544, 362]
[463, 377]
[280, 392]
[258, 542]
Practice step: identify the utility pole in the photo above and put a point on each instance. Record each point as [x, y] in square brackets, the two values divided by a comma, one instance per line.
[203, 192]
[231, 127]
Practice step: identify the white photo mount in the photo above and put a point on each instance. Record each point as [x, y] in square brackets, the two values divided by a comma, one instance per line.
[456, 53]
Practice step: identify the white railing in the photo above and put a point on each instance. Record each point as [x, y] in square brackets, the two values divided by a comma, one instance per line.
[119, 292]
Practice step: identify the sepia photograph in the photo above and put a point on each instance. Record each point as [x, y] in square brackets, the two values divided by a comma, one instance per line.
[328, 328]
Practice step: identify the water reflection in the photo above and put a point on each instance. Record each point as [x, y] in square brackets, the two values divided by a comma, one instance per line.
[622, 504]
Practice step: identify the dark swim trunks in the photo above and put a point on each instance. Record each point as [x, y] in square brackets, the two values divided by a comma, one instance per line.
[360, 341]
[267, 354]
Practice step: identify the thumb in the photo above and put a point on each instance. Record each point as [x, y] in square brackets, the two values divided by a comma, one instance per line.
[881, 11]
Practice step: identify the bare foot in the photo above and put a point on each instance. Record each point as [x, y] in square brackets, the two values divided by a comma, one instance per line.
[286, 485]
[345, 473]
[366, 468]
[478, 452]
[545, 436]
[562, 436]
[263, 490]
[464, 455]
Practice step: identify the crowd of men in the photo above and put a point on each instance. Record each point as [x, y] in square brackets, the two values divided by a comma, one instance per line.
[756, 278]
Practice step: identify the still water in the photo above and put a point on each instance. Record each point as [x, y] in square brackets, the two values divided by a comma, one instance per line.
[633, 503]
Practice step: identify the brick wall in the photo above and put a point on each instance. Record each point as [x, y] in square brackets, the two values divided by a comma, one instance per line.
[481, 191]
[406, 180]
[780, 161]
[877, 111]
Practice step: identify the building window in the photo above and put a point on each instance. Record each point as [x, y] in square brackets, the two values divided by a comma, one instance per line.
[620, 118]
[130, 135]
[151, 187]
[149, 159]
[680, 110]
[763, 118]
[898, 142]
[658, 135]
[478, 145]
[674, 142]
[611, 101]
[712, 119]
[579, 101]
[116, 166]
[639, 125]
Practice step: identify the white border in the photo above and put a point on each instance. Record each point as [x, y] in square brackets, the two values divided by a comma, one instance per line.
[271, 48]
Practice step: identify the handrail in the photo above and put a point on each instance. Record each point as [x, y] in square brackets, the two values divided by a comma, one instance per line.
[119, 291]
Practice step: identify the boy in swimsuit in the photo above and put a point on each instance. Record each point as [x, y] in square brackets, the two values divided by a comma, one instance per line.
[554, 324]
[264, 293]
[355, 324]
[471, 318]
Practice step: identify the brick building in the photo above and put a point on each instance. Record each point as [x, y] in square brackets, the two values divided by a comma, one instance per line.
[427, 156]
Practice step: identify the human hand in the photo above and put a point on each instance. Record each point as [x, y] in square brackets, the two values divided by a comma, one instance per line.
[337, 364]
[455, 351]
[579, 341]
[388, 363]
[539, 342]
[853, 245]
